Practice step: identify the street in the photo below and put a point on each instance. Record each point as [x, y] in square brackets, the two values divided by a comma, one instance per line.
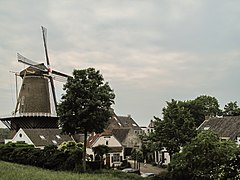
[148, 168]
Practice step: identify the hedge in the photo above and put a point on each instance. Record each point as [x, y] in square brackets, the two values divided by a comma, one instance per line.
[49, 158]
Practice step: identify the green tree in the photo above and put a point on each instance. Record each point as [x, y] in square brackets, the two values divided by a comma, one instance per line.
[206, 157]
[86, 105]
[70, 146]
[176, 129]
[149, 146]
[209, 105]
[100, 150]
[196, 110]
[231, 109]
[137, 156]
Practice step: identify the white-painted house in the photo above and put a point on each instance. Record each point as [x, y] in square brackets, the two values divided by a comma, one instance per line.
[115, 156]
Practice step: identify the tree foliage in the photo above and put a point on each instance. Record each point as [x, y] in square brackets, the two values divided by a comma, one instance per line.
[196, 110]
[231, 109]
[176, 129]
[202, 107]
[206, 157]
[100, 150]
[86, 105]
[209, 105]
[70, 146]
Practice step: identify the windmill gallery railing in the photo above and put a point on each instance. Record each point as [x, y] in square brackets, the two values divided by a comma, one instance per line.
[38, 114]
[10, 119]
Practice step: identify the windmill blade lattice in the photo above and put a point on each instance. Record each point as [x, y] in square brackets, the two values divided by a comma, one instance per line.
[44, 32]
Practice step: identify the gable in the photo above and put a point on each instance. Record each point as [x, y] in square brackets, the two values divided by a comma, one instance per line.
[109, 141]
[127, 137]
[22, 136]
[121, 133]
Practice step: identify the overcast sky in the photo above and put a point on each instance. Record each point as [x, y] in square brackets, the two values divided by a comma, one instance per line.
[150, 51]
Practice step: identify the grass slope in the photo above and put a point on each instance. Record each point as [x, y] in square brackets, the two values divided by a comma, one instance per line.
[17, 171]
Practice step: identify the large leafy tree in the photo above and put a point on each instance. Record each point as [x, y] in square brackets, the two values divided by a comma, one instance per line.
[176, 129]
[202, 107]
[206, 157]
[209, 105]
[86, 105]
[231, 109]
[196, 110]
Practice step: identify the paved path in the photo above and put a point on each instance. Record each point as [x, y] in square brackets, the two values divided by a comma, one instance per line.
[148, 168]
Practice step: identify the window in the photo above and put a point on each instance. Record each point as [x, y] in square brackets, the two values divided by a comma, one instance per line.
[20, 135]
[116, 158]
[54, 142]
[107, 142]
[42, 137]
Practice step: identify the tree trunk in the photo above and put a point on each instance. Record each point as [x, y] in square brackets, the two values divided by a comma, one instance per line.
[84, 151]
[101, 162]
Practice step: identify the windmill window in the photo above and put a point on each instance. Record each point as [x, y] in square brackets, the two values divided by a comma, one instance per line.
[42, 137]
[54, 142]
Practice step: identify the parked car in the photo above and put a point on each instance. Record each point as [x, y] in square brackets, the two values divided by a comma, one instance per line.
[148, 175]
[132, 170]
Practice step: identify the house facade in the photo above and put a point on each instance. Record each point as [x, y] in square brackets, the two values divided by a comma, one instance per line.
[116, 153]
[127, 132]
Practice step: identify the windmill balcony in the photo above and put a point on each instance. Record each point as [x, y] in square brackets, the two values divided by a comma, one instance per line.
[38, 114]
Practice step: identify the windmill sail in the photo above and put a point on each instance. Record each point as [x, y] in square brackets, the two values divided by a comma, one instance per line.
[33, 107]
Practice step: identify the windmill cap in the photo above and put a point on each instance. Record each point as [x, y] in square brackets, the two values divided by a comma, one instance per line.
[36, 70]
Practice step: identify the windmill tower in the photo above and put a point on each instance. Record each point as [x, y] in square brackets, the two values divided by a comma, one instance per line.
[36, 102]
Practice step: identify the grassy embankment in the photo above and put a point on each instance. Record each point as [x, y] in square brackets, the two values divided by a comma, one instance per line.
[17, 171]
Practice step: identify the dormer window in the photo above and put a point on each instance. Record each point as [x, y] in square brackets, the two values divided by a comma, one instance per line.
[42, 137]
[54, 142]
[206, 128]
[58, 136]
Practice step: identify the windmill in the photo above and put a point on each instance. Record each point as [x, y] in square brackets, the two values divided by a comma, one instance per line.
[33, 107]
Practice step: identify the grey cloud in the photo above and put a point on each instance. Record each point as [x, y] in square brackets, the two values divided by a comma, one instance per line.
[149, 51]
